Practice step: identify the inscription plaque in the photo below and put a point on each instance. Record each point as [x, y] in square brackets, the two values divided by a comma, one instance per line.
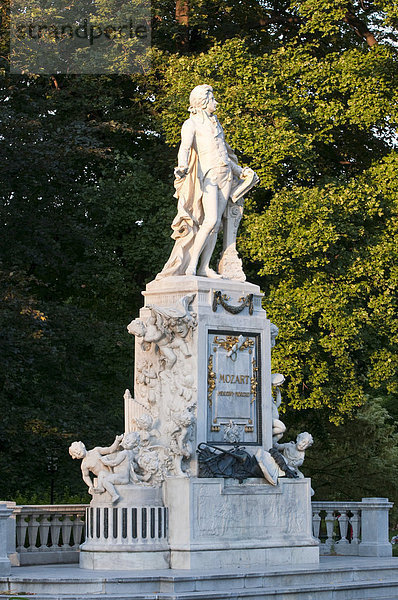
[233, 388]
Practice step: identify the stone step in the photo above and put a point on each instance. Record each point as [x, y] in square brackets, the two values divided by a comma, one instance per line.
[333, 579]
[369, 590]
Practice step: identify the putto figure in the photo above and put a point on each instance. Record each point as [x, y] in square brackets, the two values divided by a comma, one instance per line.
[294, 452]
[92, 459]
[207, 176]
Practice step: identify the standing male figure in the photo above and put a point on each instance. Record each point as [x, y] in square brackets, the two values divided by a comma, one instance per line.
[207, 173]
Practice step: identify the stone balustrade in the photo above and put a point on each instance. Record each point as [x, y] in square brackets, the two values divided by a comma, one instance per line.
[353, 528]
[48, 534]
[51, 534]
[126, 525]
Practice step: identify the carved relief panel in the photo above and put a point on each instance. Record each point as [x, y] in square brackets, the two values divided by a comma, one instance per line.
[233, 388]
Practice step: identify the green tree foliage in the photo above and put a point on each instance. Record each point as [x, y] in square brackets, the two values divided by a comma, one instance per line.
[354, 460]
[308, 97]
[320, 231]
[77, 227]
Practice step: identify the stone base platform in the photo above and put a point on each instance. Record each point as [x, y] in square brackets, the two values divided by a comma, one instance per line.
[334, 578]
[229, 524]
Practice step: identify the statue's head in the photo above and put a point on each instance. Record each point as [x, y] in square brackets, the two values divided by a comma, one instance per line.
[184, 419]
[304, 440]
[144, 421]
[130, 440]
[136, 327]
[149, 462]
[77, 450]
[200, 97]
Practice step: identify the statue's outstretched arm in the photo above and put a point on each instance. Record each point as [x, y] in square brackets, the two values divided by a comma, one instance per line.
[113, 462]
[112, 448]
[280, 446]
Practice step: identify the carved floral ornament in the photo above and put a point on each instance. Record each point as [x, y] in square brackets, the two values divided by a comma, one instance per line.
[222, 299]
[233, 344]
[211, 380]
[254, 382]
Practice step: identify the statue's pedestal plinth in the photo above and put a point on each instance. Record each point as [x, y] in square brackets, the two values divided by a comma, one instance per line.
[224, 523]
[220, 371]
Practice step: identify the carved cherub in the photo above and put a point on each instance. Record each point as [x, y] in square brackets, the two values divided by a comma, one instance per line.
[180, 446]
[149, 460]
[166, 328]
[294, 452]
[147, 431]
[274, 334]
[123, 464]
[92, 459]
[153, 332]
[148, 379]
[182, 385]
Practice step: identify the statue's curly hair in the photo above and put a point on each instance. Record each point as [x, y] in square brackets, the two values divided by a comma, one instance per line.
[199, 97]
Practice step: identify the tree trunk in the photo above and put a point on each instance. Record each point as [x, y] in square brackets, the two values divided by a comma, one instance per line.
[182, 12]
[182, 18]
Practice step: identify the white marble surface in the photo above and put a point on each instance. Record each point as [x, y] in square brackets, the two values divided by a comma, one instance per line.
[5, 514]
[210, 185]
[334, 578]
[239, 524]
[374, 525]
[181, 388]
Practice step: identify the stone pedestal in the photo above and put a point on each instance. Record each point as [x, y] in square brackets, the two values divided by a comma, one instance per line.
[374, 526]
[129, 535]
[202, 375]
[215, 387]
[224, 523]
[5, 565]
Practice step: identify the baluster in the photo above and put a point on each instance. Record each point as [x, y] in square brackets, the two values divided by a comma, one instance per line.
[110, 526]
[66, 528]
[120, 526]
[329, 520]
[155, 523]
[22, 526]
[355, 524]
[77, 528]
[139, 524]
[316, 524]
[343, 522]
[55, 530]
[33, 526]
[129, 538]
[44, 528]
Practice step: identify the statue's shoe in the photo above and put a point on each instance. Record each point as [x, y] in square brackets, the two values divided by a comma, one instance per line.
[190, 271]
[209, 273]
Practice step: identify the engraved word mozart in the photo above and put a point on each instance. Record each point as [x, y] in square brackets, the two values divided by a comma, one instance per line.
[234, 378]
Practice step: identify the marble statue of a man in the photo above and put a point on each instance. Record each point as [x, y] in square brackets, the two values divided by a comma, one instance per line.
[206, 177]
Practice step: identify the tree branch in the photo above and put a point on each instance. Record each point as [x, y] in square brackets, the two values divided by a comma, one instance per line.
[360, 28]
[275, 18]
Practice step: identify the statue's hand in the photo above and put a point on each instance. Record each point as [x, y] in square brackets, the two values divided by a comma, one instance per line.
[119, 438]
[91, 490]
[245, 172]
[180, 172]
